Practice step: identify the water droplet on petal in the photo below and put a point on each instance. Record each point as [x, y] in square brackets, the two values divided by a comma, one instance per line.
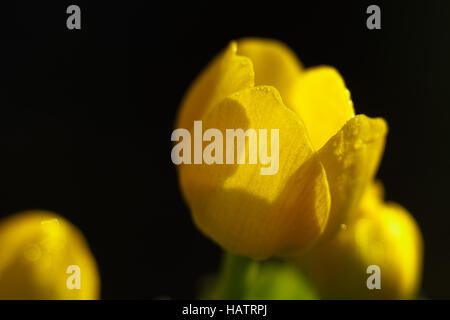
[358, 144]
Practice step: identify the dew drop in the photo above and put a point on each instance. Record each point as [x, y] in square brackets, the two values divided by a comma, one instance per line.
[358, 144]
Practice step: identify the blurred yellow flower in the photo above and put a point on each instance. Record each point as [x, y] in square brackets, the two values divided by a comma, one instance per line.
[327, 154]
[380, 234]
[40, 252]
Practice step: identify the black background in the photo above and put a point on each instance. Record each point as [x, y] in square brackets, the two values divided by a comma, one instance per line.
[86, 118]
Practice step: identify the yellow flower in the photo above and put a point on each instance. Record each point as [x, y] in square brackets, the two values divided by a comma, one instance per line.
[381, 234]
[41, 254]
[327, 155]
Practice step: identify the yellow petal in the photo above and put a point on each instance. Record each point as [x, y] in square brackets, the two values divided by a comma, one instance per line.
[323, 102]
[351, 159]
[382, 234]
[227, 73]
[373, 197]
[37, 248]
[275, 64]
[253, 214]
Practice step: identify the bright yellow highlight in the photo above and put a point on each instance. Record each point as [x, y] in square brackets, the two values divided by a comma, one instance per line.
[37, 247]
[351, 159]
[380, 233]
[327, 154]
[324, 87]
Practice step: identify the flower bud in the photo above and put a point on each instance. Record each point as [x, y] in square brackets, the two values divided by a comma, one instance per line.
[43, 256]
[382, 243]
[322, 155]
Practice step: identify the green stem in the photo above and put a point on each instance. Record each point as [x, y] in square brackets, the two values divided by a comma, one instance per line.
[237, 273]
